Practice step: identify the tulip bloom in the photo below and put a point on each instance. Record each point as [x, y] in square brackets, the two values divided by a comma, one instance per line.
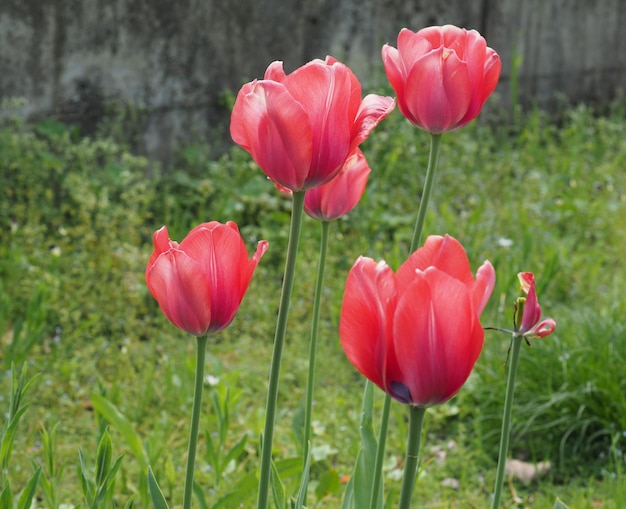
[528, 324]
[300, 128]
[200, 283]
[339, 196]
[442, 76]
[416, 334]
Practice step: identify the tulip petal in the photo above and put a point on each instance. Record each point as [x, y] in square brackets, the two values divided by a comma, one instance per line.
[364, 325]
[437, 338]
[532, 309]
[222, 256]
[542, 329]
[339, 196]
[326, 93]
[396, 74]
[177, 283]
[483, 286]
[275, 72]
[274, 127]
[438, 90]
[372, 110]
[445, 253]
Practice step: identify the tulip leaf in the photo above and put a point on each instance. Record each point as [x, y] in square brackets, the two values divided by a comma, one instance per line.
[304, 483]
[245, 488]
[158, 500]
[278, 488]
[559, 504]
[119, 421]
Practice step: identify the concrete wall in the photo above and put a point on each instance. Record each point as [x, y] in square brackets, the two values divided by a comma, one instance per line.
[73, 59]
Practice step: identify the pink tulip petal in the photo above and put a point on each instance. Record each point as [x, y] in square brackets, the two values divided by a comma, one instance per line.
[438, 90]
[532, 309]
[184, 295]
[437, 338]
[412, 45]
[274, 127]
[325, 93]
[542, 329]
[373, 109]
[364, 327]
[483, 286]
[222, 256]
[445, 253]
[275, 72]
[339, 196]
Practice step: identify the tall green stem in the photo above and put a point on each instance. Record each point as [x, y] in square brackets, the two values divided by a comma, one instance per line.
[380, 453]
[506, 420]
[279, 340]
[433, 158]
[195, 420]
[435, 142]
[319, 285]
[416, 423]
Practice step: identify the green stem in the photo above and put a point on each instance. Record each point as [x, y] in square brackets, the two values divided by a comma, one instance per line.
[416, 423]
[279, 340]
[380, 453]
[435, 142]
[195, 420]
[314, 333]
[506, 420]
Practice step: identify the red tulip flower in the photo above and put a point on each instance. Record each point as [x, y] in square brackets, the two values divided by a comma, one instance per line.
[200, 283]
[339, 196]
[529, 325]
[442, 76]
[416, 333]
[301, 127]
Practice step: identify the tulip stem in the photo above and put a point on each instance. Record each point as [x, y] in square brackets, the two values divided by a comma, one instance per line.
[435, 142]
[380, 453]
[279, 340]
[314, 334]
[506, 420]
[195, 420]
[414, 440]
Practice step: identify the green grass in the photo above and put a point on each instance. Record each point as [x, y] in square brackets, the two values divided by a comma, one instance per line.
[76, 218]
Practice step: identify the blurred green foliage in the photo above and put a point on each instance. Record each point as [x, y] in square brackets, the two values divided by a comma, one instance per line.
[76, 219]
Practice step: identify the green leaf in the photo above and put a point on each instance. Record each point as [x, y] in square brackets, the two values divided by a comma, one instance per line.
[103, 457]
[158, 500]
[235, 451]
[289, 466]
[304, 483]
[559, 504]
[111, 413]
[199, 493]
[131, 503]
[278, 488]
[366, 460]
[6, 497]
[106, 489]
[348, 496]
[27, 495]
[242, 492]
[86, 485]
[213, 456]
[328, 483]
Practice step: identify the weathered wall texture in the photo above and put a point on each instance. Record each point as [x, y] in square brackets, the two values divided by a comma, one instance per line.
[72, 58]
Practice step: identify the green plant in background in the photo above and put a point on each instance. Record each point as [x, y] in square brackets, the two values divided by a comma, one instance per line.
[565, 180]
[17, 408]
[98, 484]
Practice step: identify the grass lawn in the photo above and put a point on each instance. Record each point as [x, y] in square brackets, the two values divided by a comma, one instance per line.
[76, 219]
